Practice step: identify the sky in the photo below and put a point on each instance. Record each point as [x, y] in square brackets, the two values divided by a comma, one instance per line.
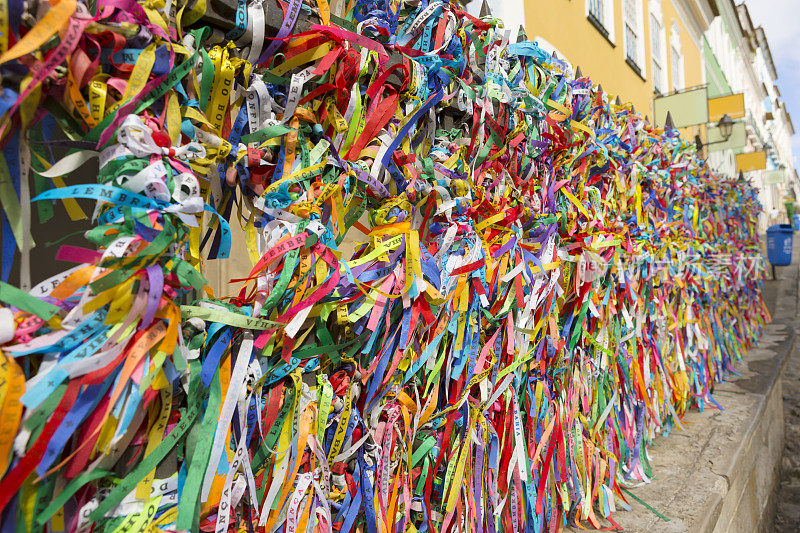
[781, 22]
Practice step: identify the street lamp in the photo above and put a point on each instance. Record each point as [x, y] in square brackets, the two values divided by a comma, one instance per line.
[725, 126]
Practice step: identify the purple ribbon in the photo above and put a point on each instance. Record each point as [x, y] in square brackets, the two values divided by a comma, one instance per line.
[286, 27]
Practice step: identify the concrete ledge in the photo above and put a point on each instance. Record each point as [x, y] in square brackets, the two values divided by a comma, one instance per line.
[721, 471]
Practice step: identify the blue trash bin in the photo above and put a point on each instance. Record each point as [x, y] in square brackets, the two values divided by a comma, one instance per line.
[796, 222]
[779, 244]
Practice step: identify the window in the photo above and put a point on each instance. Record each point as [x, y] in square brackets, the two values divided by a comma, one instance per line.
[658, 49]
[631, 31]
[634, 35]
[598, 11]
[677, 69]
[601, 14]
[677, 59]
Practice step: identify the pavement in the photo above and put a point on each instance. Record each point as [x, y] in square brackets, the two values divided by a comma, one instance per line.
[787, 495]
[722, 471]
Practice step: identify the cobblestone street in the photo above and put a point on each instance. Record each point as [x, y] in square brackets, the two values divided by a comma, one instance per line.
[787, 496]
[787, 518]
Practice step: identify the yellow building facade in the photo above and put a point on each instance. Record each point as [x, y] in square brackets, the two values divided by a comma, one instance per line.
[634, 48]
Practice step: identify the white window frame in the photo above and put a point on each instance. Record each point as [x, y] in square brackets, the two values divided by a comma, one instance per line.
[660, 60]
[676, 52]
[635, 22]
[608, 15]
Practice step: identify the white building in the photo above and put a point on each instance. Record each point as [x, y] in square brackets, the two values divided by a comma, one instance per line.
[738, 60]
[769, 126]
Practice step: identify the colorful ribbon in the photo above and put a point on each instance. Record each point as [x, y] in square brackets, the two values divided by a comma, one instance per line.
[479, 288]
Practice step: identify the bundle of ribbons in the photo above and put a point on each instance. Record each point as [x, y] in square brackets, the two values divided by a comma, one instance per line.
[479, 286]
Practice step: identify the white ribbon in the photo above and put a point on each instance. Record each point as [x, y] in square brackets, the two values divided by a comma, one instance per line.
[138, 138]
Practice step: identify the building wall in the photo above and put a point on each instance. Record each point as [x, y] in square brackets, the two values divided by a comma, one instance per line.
[769, 127]
[724, 72]
[563, 25]
[681, 15]
[719, 47]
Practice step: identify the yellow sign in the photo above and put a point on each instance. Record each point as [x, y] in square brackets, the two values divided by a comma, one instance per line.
[751, 161]
[731, 105]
